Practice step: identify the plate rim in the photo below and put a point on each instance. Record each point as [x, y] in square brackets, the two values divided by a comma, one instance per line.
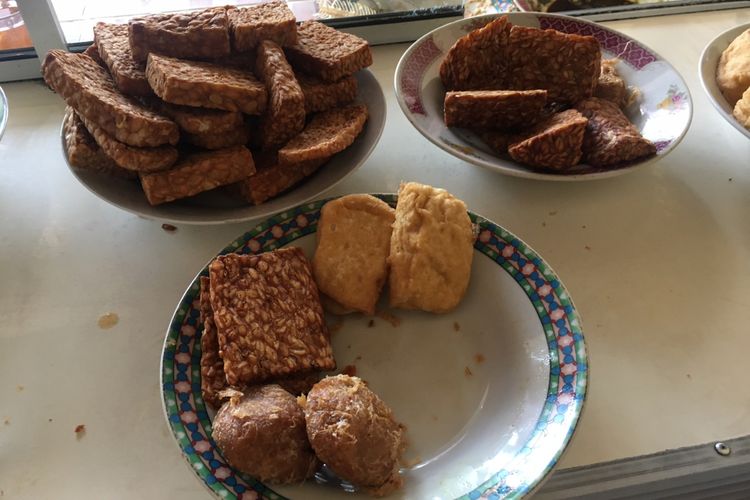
[4, 112]
[528, 173]
[578, 391]
[377, 95]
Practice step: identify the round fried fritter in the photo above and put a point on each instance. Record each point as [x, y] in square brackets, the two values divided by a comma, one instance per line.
[262, 433]
[354, 432]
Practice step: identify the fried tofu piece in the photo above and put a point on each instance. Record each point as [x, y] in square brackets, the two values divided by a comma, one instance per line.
[327, 53]
[322, 96]
[131, 157]
[353, 242]
[265, 21]
[733, 68]
[741, 110]
[494, 109]
[198, 172]
[273, 178]
[213, 380]
[479, 59]
[204, 84]
[201, 34]
[114, 48]
[285, 114]
[209, 140]
[432, 246]
[326, 134]
[268, 316]
[89, 89]
[553, 143]
[610, 85]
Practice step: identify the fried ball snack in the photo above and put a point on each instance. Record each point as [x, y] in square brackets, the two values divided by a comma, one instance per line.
[733, 70]
[554, 143]
[354, 432]
[431, 249]
[353, 241]
[262, 433]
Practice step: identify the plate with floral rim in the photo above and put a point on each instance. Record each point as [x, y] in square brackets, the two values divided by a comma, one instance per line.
[490, 393]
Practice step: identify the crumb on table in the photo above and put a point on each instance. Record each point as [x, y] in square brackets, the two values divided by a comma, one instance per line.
[479, 358]
[371, 323]
[467, 372]
[390, 318]
[80, 430]
[169, 228]
[456, 326]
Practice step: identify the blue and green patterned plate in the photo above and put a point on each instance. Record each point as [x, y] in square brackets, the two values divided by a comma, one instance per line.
[490, 393]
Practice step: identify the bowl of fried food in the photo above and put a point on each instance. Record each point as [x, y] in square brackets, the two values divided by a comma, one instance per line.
[217, 115]
[543, 96]
[377, 344]
[725, 75]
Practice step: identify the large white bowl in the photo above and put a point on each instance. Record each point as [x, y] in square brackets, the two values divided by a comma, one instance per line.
[707, 71]
[662, 114]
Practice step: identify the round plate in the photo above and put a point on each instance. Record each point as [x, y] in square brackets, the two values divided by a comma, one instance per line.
[662, 114]
[214, 207]
[3, 112]
[490, 393]
[707, 70]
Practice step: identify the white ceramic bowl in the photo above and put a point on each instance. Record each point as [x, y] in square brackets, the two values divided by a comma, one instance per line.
[707, 71]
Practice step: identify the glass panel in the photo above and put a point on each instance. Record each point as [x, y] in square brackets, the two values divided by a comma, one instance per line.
[14, 36]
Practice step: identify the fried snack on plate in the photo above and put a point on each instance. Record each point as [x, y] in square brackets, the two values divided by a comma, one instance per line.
[431, 249]
[268, 316]
[285, 113]
[201, 34]
[93, 52]
[355, 433]
[130, 157]
[327, 53]
[213, 380]
[224, 139]
[265, 21]
[353, 241]
[114, 48]
[610, 138]
[478, 60]
[567, 66]
[497, 140]
[262, 433]
[321, 96]
[272, 178]
[84, 152]
[194, 120]
[733, 69]
[89, 89]
[204, 84]
[742, 110]
[198, 172]
[553, 143]
[610, 85]
[326, 134]
[494, 109]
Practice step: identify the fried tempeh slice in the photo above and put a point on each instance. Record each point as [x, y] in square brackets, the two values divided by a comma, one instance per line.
[327, 133]
[89, 89]
[265, 21]
[553, 143]
[285, 113]
[130, 157]
[201, 35]
[198, 172]
[497, 140]
[196, 120]
[610, 138]
[207, 85]
[567, 66]
[353, 242]
[93, 52]
[213, 380]
[322, 96]
[327, 53]
[83, 151]
[478, 60]
[272, 178]
[495, 109]
[209, 140]
[114, 48]
[268, 316]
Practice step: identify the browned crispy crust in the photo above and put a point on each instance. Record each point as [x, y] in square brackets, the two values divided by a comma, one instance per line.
[285, 113]
[213, 380]
[89, 89]
[327, 133]
[265, 21]
[610, 138]
[198, 172]
[494, 109]
[327, 53]
[114, 48]
[610, 86]
[272, 178]
[194, 120]
[93, 52]
[268, 316]
[553, 143]
[203, 84]
[322, 96]
[478, 60]
[224, 139]
[202, 34]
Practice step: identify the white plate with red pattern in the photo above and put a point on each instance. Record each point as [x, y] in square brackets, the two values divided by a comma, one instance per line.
[662, 113]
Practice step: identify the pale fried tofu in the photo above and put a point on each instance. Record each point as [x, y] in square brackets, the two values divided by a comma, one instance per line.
[432, 246]
[353, 242]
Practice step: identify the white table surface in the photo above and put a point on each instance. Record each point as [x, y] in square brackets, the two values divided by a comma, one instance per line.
[657, 261]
